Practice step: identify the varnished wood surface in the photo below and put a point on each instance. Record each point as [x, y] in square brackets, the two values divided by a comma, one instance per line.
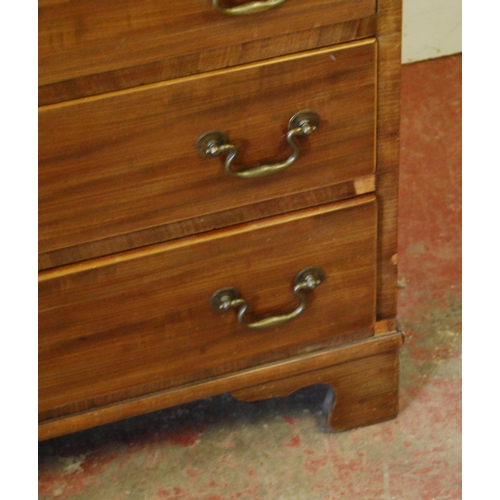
[388, 112]
[364, 374]
[181, 380]
[141, 317]
[150, 236]
[374, 398]
[90, 38]
[167, 69]
[366, 389]
[125, 162]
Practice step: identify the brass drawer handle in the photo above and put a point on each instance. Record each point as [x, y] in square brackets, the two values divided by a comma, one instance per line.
[215, 143]
[229, 298]
[248, 8]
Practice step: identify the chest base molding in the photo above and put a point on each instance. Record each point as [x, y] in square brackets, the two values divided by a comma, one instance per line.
[363, 375]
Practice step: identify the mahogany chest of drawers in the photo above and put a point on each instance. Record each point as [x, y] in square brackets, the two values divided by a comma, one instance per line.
[217, 205]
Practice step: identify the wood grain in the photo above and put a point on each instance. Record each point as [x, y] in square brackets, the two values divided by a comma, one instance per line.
[208, 60]
[366, 389]
[126, 162]
[224, 218]
[182, 380]
[333, 359]
[91, 37]
[121, 332]
[388, 112]
[127, 320]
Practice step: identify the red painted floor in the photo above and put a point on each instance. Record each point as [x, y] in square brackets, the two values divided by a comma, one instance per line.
[221, 449]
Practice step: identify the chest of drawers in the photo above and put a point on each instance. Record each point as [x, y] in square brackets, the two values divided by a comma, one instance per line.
[217, 205]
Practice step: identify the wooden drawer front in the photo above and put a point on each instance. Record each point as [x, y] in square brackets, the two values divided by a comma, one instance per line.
[144, 318]
[126, 162]
[90, 37]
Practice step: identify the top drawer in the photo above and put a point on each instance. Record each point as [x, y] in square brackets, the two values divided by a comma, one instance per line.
[90, 37]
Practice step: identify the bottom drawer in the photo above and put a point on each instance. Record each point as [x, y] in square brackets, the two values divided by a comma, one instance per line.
[141, 321]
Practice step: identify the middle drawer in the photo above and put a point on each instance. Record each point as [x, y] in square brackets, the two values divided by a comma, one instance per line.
[124, 162]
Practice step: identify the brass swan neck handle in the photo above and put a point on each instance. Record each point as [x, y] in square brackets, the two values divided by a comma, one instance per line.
[230, 298]
[215, 143]
[247, 8]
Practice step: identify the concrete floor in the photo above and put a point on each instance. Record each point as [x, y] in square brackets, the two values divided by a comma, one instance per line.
[221, 449]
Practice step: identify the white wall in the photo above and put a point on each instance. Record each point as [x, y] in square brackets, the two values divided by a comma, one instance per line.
[431, 28]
